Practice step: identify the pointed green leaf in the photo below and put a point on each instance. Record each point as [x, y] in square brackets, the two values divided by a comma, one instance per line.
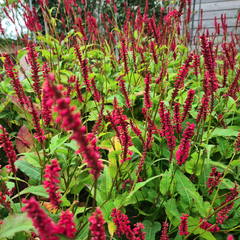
[29, 170]
[15, 223]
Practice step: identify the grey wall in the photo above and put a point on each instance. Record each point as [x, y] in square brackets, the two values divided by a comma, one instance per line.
[212, 8]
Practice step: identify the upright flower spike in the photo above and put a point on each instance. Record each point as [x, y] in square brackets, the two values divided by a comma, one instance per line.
[22, 98]
[179, 82]
[209, 61]
[124, 55]
[222, 214]
[177, 119]
[122, 223]
[39, 134]
[32, 59]
[124, 91]
[46, 109]
[4, 192]
[183, 150]
[188, 104]
[213, 180]
[183, 228]
[209, 227]
[138, 231]
[40, 219]
[95, 91]
[98, 123]
[52, 182]
[8, 149]
[147, 97]
[154, 52]
[96, 225]
[164, 235]
[71, 121]
[66, 225]
[203, 110]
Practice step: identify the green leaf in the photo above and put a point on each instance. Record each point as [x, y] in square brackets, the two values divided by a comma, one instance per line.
[151, 229]
[29, 170]
[32, 159]
[190, 165]
[36, 190]
[21, 53]
[83, 233]
[171, 209]
[55, 145]
[15, 223]
[188, 192]
[141, 184]
[221, 132]
[165, 183]
[106, 183]
[208, 148]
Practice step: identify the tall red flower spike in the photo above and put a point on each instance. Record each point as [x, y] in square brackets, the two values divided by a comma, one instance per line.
[72, 121]
[52, 182]
[8, 149]
[183, 151]
[40, 219]
[66, 225]
[183, 228]
[96, 225]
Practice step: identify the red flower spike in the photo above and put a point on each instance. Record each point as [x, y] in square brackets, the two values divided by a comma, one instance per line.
[154, 52]
[40, 219]
[66, 225]
[52, 182]
[213, 180]
[164, 235]
[179, 82]
[4, 192]
[222, 214]
[147, 97]
[209, 227]
[71, 121]
[183, 228]
[96, 225]
[124, 55]
[183, 150]
[122, 223]
[95, 91]
[124, 91]
[177, 119]
[32, 58]
[39, 135]
[188, 104]
[8, 149]
[237, 143]
[230, 237]
[98, 123]
[11, 73]
[138, 231]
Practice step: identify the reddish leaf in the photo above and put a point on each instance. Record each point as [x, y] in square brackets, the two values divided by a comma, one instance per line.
[24, 141]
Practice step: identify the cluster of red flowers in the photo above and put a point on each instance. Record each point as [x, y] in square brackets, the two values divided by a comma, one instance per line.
[183, 151]
[213, 180]
[96, 225]
[52, 175]
[47, 229]
[71, 121]
[9, 149]
[222, 214]
[183, 228]
[123, 227]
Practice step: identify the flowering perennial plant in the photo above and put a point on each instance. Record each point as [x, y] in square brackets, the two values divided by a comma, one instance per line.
[143, 125]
